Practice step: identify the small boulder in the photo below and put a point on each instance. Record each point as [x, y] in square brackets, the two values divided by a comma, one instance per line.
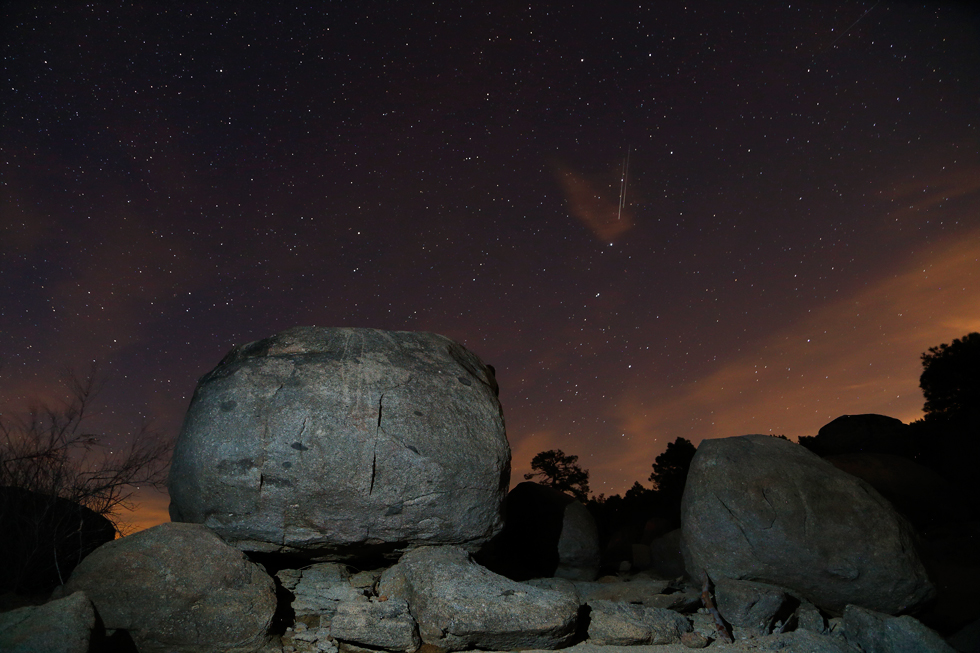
[624, 624]
[766, 509]
[546, 533]
[460, 605]
[375, 624]
[170, 583]
[874, 632]
[318, 590]
[748, 605]
[61, 626]
[340, 444]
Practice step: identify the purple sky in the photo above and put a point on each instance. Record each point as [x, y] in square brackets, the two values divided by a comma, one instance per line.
[801, 215]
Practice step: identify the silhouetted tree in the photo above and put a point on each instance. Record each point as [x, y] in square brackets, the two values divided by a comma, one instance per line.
[561, 472]
[950, 379]
[61, 488]
[670, 474]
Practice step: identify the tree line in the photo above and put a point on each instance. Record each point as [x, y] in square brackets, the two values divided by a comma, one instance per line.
[946, 439]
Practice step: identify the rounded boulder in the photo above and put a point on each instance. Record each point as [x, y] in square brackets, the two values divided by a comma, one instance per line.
[340, 443]
[764, 509]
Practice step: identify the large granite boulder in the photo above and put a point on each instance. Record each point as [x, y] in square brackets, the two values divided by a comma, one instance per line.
[177, 588]
[43, 537]
[765, 509]
[336, 443]
[460, 605]
[546, 533]
[61, 626]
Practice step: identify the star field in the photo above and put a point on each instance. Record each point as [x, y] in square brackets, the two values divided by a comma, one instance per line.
[801, 215]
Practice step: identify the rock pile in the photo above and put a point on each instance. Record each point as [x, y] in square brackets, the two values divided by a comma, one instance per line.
[317, 449]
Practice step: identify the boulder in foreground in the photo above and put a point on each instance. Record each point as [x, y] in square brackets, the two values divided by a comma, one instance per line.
[765, 509]
[179, 588]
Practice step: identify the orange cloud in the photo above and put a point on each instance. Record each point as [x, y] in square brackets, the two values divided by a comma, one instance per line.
[856, 355]
[595, 206]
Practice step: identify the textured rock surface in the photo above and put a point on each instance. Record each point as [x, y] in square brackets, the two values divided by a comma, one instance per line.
[376, 624]
[318, 590]
[765, 509]
[62, 626]
[749, 605]
[170, 583]
[546, 533]
[874, 632]
[460, 605]
[625, 624]
[334, 443]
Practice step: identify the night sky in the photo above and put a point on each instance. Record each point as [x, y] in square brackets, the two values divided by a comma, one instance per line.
[800, 221]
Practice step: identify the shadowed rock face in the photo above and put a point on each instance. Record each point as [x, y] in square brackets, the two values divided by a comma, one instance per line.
[546, 533]
[43, 538]
[178, 587]
[334, 443]
[764, 509]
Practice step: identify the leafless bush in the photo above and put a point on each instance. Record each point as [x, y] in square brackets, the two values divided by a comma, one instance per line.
[50, 451]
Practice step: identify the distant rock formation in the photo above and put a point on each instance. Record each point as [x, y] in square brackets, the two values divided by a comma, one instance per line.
[861, 434]
[546, 533]
[335, 443]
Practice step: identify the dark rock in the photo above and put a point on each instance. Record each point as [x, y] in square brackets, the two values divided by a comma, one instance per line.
[338, 443]
[765, 509]
[62, 626]
[874, 632]
[861, 433]
[666, 555]
[460, 605]
[624, 624]
[966, 639]
[546, 533]
[924, 497]
[43, 538]
[753, 606]
[179, 588]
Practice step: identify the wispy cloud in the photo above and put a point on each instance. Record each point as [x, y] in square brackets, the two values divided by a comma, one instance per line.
[856, 355]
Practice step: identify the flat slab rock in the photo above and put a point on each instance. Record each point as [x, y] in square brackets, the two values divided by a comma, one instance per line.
[460, 605]
[795, 642]
[340, 443]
